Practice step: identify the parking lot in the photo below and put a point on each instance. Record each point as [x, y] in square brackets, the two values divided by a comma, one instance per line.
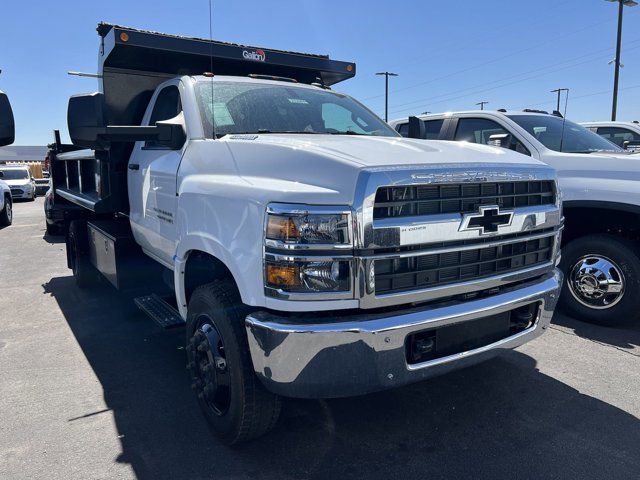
[91, 388]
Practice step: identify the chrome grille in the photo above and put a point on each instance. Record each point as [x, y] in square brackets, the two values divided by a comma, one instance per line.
[430, 270]
[434, 199]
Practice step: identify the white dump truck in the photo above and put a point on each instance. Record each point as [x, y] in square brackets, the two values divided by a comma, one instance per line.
[307, 248]
[600, 185]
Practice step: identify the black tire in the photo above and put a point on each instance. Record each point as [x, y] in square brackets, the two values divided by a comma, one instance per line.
[78, 255]
[238, 408]
[52, 229]
[6, 215]
[624, 256]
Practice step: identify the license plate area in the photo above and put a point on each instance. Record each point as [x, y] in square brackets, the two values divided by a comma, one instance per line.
[461, 337]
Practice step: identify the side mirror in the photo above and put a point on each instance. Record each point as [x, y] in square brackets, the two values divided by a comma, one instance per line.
[500, 140]
[171, 133]
[631, 146]
[7, 125]
[417, 128]
[86, 119]
[1, 174]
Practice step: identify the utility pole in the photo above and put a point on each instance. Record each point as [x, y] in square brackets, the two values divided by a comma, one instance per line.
[616, 75]
[386, 92]
[558, 91]
[482, 104]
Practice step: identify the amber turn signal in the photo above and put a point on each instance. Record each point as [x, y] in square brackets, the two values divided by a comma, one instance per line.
[284, 228]
[283, 275]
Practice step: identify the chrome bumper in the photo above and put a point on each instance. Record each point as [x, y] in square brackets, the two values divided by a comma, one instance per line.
[352, 355]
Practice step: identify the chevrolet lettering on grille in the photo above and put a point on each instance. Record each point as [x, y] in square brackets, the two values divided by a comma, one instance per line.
[488, 220]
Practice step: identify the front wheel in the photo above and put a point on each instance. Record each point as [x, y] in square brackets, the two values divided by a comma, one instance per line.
[602, 280]
[236, 405]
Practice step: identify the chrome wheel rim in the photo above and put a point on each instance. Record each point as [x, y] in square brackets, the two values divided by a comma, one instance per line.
[596, 282]
[9, 211]
[211, 380]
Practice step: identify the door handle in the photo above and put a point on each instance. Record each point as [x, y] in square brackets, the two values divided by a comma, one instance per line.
[134, 166]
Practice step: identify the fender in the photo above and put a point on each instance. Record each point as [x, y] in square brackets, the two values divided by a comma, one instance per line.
[203, 243]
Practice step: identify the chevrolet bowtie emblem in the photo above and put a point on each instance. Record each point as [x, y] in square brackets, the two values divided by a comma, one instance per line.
[489, 219]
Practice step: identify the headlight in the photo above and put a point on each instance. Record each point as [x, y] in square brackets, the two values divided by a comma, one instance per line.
[308, 276]
[292, 234]
[309, 228]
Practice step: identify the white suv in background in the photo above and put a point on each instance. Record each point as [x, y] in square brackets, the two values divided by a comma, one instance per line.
[600, 184]
[623, 134]
[20, 181]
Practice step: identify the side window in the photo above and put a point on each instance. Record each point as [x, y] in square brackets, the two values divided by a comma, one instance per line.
[618, 135]
[432, 128]
[167, 106]
[479, 130]
[338, 118]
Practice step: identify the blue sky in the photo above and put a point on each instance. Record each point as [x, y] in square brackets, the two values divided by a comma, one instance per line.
[449, 55]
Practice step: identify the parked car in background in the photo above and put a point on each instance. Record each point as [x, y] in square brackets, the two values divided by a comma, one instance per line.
[54, 216]
[623, 134]
[42, 185]
[20, 180]
[7, 135]
[600, 183]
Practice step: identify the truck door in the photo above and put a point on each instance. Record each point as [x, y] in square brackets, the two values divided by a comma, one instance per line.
[152, 182]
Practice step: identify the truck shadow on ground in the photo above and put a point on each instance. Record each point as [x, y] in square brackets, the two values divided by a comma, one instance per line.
[500, 419]
[626, 337]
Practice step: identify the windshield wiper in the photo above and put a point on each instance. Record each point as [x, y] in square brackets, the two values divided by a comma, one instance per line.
[261, 131]
[348, 132]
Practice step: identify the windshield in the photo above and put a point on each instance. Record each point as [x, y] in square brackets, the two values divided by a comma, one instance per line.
[15, 174]
[572, 138]
[252, 107]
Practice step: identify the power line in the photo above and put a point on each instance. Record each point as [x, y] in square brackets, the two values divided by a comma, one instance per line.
[463, 45]
[573, 99]
[410, 105]
[494, 60]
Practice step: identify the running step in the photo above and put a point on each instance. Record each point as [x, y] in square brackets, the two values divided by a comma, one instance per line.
[160, 311]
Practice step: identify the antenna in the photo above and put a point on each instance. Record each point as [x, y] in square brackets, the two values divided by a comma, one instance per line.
[213, 123]
[564, 118]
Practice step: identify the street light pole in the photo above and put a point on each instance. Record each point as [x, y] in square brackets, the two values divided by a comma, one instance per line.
[482, 104]
[558, 91]
[386, 92]
[616, 75]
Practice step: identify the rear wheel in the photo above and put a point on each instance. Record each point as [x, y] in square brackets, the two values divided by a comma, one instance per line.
[602, 279]
[52, 229]
[236, 405]
[78, 254]
[6, 215]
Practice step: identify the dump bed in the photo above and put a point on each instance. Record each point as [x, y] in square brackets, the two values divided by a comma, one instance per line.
[132, 63]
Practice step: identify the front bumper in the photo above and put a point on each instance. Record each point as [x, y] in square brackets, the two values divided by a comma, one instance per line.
[21, 193]
[357, 354]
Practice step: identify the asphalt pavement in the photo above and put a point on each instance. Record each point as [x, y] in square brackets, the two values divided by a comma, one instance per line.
[90, 388]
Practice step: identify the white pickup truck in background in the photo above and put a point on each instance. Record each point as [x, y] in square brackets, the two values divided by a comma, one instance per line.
[623, 134]
[600, 184]
[309, 249]
[7, 135]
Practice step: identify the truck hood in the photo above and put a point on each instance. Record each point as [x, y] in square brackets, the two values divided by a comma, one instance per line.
[367, 151]
[325, 168]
